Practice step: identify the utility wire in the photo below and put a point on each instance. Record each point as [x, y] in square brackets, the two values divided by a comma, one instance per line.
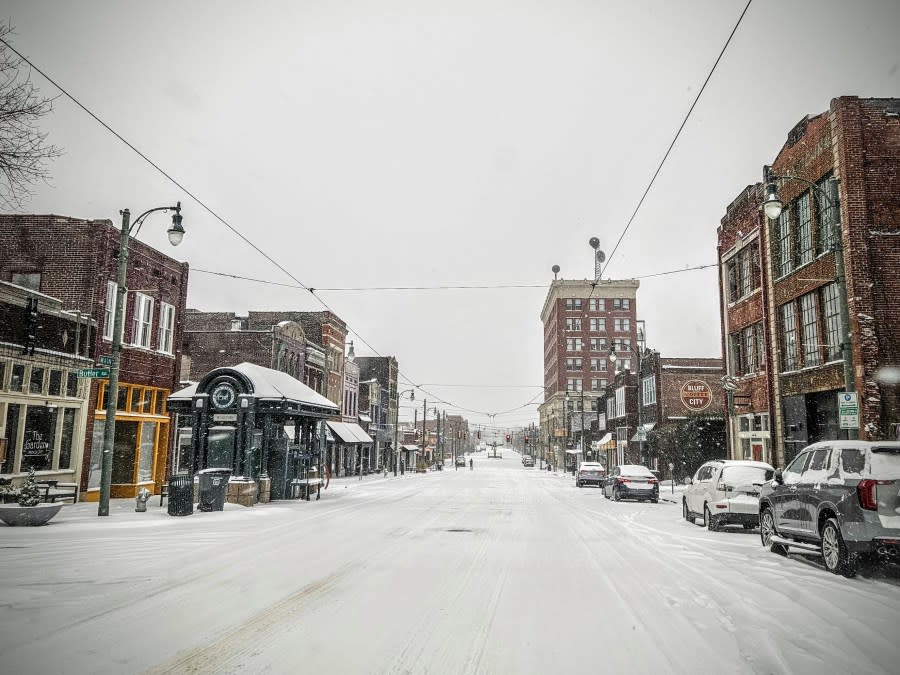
[677, 134]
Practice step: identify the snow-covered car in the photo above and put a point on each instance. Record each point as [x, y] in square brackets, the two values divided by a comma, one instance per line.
[528, 460]
[590, 473]
[837, 498]
[631, 481]
[726, 492]
[461, 461]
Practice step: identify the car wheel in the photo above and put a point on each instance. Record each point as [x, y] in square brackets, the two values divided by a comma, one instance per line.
[654, 501]
[688, 516]
[837, 558]
[767, 532]
[711, 524]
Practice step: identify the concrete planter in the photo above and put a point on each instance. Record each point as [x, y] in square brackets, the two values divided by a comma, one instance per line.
[15, 515]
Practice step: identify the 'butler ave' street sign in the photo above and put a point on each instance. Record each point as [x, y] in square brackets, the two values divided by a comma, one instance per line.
[93, 372]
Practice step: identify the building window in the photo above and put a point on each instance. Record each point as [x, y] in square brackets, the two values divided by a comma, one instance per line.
[573, 384]
[598, 325]
[30, 280]
[784, 257]
[621, 344]
[598, 384]
[143, 320]
[804, 231]
[620, 402]
[166, 327]
[109, 310]
[573, 364]
[742, 270]
[828, 217]
[598, 344]
[574, 344]
[597, 304]
[746, 350]
[648, 387]
[36, 383]
[573, 324]
[598, 365]
[788, 338]
[573, 304]
[610, 408]
[810, 322]
[621, 325]
[832, 322]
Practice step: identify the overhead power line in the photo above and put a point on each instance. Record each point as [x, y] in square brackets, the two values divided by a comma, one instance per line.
[677, 134]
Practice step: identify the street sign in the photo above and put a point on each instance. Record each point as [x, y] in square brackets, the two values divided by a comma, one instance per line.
[848, 409]
[93, 372]
[105, 360]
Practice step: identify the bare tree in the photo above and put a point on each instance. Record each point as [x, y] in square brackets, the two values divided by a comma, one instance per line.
[24, 151]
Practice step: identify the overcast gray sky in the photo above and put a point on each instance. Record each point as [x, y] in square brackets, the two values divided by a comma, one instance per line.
[414, 143]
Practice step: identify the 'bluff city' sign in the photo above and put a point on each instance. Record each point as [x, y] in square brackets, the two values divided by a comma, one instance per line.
[696, 395]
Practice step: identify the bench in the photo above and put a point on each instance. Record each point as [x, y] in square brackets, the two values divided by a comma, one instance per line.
[53, 489]
[309, 484]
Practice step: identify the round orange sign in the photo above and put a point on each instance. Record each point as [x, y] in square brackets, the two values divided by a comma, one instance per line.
[696, 395]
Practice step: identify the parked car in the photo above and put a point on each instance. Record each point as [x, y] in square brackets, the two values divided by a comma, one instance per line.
[528, 460]
[590, 473]
[461, 461]
[631, 481]
[726, 492]
[837, 498]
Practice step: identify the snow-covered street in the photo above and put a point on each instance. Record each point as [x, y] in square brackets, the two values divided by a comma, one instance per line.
[503, 569]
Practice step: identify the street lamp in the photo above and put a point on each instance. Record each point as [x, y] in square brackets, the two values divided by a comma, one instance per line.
[772, 206]
[176, 234]
[412, 397]
[566, 428]
[639, 354]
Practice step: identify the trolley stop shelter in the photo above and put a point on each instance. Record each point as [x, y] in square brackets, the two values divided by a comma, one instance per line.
[258, 422]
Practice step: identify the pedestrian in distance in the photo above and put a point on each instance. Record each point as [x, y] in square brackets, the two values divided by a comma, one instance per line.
[402, 467]
[471, 464]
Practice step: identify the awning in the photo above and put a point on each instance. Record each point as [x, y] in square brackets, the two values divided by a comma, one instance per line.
[573, 452]
[365, 418]
[642, 431]
[607, 438]
[348, 432]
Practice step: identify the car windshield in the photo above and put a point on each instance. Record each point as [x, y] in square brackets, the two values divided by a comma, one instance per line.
[746, 475]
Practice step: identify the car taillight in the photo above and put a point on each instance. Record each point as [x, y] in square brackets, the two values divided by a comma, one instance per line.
[652, 480]
[866, 493]
[622, 480]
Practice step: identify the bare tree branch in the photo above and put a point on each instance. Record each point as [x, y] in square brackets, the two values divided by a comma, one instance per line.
[24, 151]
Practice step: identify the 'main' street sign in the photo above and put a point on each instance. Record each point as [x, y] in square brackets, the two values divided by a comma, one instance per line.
[93, 372]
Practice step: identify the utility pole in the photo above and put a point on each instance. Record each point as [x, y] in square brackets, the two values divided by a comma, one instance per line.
[424, 432]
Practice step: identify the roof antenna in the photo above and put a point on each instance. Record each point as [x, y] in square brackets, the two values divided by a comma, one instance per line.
[599, 257]
[555, 270]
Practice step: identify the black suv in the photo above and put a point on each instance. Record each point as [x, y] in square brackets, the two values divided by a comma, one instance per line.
[840, 498]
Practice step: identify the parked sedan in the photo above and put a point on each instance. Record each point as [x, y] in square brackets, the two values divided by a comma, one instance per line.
[837, 498]
[726, 492]
[632, 481]
[590, 473]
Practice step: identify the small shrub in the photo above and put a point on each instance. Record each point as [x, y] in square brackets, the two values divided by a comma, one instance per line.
[29, 493]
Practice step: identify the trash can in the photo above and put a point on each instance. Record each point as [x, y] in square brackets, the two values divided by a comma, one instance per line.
[213, 485]
[181, 495]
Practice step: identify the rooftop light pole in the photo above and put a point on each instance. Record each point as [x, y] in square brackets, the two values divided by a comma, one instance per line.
[772, 206]
[129, 230]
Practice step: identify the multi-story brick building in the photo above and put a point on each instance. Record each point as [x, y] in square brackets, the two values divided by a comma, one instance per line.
[76, 261]
[582, 320]
[383, 370]
[780, 290]
[43, 402]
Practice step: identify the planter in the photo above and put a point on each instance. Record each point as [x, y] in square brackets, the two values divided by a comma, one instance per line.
[15, 515]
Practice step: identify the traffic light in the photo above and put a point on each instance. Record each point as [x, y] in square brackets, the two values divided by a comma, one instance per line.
[479, 434]
[508, 437]
[526, 438]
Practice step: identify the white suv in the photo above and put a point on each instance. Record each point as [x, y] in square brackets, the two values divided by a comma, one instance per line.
[726, 492]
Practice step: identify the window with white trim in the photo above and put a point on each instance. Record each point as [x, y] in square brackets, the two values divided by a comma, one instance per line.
[109, 310]
[573, 384]
[598, 324]
[143, 320]
[598, 344]
[166, 327]
[648, 385]
[620, 325]
[573, 364]
[573, 304]
[598, 384]
[597, 305]
[610, 408]
[620, 402]
[598, 365]
[574, 344]
[573, 324]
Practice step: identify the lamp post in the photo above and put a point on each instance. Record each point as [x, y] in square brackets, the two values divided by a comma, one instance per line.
[639, 354]
[566, 429]
[772, 206]
[176, 234]
[412, 397]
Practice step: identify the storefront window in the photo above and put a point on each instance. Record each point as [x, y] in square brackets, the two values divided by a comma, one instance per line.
[72, 385]
[136, 399]
[146, 401]
[184, 454]
[68, 433]
[37, 445]
[148, 445]
[2, 373]
[55, 388]
[12, 433]
[160, 403]
[36, 386]
[17, 378]
[96, 454]
[220, 447]
[124, 449]
[122, 400]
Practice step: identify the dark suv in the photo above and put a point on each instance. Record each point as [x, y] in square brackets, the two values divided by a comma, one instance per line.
[839, 498]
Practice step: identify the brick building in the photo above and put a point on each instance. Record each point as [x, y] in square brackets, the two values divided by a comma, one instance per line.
[383, 371]
[76, 261]
[782, 328]
[582, 320]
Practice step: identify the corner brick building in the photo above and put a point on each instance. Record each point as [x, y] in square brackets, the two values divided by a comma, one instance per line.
[76, 261]
[780, 303]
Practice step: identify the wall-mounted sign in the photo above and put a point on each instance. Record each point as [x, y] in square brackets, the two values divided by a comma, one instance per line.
[696, 395]
[224, 417]
[848, 409]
